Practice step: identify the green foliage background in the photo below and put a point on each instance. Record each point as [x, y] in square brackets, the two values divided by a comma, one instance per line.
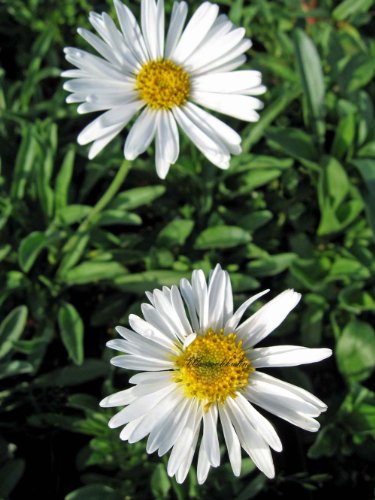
[296, 209]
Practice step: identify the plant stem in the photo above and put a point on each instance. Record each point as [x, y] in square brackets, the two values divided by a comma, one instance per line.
[76, 245]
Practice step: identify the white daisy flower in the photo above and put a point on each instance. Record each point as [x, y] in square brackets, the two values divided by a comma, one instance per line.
[166, 79]
[203, 367]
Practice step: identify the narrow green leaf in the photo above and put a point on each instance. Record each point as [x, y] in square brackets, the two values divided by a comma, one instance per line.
[14, 368]
[355, 351]
[137, 197]
[139, 283]
[91, 369]
[29, 249]
[311, 74]
[12, 328]
[175, 232]
[350, 8]
[89, 272]
[221, 237]
[93, 492]
[24, 162]
[63, 180]
[71, 331]
[294, 142]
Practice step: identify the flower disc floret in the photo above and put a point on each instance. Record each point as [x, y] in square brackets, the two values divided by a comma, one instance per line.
[162, 84]
[213, 367]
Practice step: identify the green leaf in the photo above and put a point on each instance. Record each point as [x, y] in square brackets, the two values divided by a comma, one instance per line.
[14, 368]
[358, 72]
[91, 369]
[72, 214]
[160, 483]
[175, 232]
[221, 237]
[139, 283]
[326, 443]
[63, 180]
[255, 220]
[311, 74]
[348, 9]
[271, 265]
[91, 271]
[12, 328]
[344, 136]
[295, 143]
[366, 168]
[10, 474]
[355, 351]
[24, 162]
[29, 249]
[118, 218]
[71, 331]
[93, 492]
[137, 197]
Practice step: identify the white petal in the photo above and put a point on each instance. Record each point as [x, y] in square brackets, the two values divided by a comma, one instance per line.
[176, 25]
[92, 64]
[180, 310]
[260, 424]
[120, 398]
[156, 416]
[216, 297]
[228, 303]
[133, 362]
[188, 458]
[154, 317]
[131, 32]
[229, 55]
[167, 143]
[294, 389]
[197, 28]
[286, 355]
[188, 296]
[267, 318]
[107, 123]
[203, 466]
[150, 28]
[141, 134]
[102, 48]
[150, 377]
[250, 440]
[233, 82]
[139, 407]
[200, 294]
[231, 440]
[210, 440]
[232, 322]
[230, 65]
[219, 129]
[222, 46]
[144, 329]
[169, 429]
[238, 106]
[215, 151]
[184, 448]
[102, 142]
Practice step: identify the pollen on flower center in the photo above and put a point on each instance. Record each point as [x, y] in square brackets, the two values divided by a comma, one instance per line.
[213, 367]
[163, 84]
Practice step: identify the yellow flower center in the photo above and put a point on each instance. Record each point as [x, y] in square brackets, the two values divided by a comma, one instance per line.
[163, 84]
[213, 367]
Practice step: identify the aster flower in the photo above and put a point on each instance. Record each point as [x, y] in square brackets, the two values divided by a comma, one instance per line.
[199, 365]
[166, 80]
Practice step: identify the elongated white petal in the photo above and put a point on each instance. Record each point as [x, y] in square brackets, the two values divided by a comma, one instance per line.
[139, 407]
[233, 82]
[141, 134]
[250, 440]
[238, 106]
[134, 362]
[260, 424]
[286, 355]
[210, 440]
[269, 317]
[102, 141]
[195, 31]
[215, 151]
[203, 466]
[131, 32]
[232, 323]
[231, 440]
[294, 389]
[167, 143]
[176, 25]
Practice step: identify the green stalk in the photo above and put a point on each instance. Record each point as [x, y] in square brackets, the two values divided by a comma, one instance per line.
[76, 245]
